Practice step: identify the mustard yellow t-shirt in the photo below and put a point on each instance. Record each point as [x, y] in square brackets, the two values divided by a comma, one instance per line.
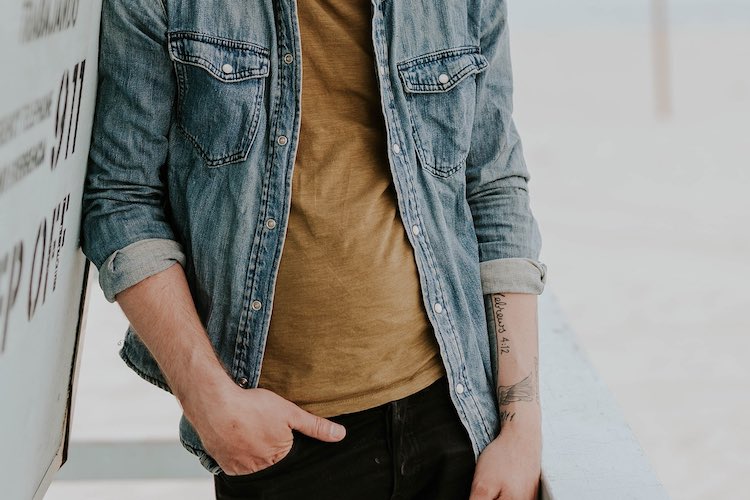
[348, 328]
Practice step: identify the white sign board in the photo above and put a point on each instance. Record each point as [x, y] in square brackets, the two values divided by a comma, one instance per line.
[48, 56]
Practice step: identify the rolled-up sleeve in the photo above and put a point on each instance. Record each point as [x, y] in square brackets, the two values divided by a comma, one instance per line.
[125, 227]
[496, 174]
[137, 261]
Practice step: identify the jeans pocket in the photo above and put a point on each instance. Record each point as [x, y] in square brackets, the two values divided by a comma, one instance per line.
[276, 466]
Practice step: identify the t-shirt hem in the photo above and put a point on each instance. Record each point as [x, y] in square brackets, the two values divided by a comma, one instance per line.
[420, 380]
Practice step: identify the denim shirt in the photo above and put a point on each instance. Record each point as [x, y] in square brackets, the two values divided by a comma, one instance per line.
[195, 133]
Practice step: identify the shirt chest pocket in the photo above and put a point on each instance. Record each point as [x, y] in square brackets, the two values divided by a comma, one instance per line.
[441, 93]
[221, 84]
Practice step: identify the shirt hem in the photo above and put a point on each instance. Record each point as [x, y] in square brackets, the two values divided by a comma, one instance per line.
[392, 392]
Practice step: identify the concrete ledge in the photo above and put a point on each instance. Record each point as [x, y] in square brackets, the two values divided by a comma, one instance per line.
[118, 460]
[589, 452]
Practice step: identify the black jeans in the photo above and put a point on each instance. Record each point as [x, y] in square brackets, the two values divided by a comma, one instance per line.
[412, 448]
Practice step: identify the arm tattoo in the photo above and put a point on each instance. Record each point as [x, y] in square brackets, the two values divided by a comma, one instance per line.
[520, 391]
[498, 305]
[506, 416]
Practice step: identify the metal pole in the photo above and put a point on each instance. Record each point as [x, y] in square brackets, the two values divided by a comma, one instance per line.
[660, 48]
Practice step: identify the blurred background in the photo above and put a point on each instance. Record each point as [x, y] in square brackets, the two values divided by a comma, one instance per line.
[641, 184]
[635, 116]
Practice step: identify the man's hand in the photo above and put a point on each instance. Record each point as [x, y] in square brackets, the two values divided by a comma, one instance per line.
[246, 430]
[509, 468]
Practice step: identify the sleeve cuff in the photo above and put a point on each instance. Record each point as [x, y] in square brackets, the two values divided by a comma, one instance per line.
[513, 275]
[138, 260]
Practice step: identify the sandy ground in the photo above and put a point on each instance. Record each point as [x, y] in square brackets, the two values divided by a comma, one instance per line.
[645, 225]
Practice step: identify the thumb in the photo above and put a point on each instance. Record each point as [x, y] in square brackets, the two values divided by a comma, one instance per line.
[317, 427]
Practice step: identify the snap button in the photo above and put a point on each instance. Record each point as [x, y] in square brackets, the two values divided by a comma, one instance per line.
[227, 68]
[459, 388]
[443, 78]
[282, 140]
[437, 307]
[415, 229]
[256, 304]
[288, 58]
[396, 148]
[242, 382]
[270, 223]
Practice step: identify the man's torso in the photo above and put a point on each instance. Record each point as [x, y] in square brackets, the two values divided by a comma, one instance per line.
[348, 329]
[231, 146]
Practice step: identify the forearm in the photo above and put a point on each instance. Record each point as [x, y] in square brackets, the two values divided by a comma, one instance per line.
[163, 314]
[516, 327]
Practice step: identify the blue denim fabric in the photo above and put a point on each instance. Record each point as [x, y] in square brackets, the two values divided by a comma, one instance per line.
[195, 134]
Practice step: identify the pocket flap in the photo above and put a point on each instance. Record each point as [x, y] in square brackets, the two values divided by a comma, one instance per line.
[441, 70]
[227, 60]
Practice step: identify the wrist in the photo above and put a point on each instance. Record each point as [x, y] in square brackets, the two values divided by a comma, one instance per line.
[203, 383]
[520, 418]
[522, 434]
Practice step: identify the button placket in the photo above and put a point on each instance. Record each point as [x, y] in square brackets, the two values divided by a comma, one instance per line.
[444, 79]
